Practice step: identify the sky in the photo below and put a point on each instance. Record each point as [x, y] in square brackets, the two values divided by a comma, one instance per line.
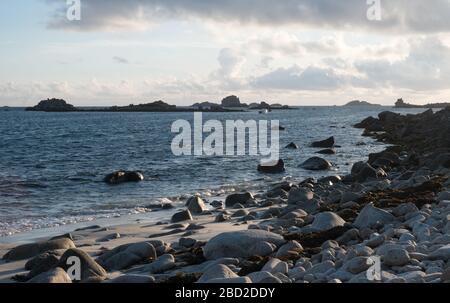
[296, 52]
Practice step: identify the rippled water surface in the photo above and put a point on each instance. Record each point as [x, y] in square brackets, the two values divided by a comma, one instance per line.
[52, 164]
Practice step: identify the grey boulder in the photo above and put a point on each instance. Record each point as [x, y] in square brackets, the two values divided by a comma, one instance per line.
[89, 267]
[371, 215]
[196, 205]
[242, 198]
[326, 221]
[181, 216]
[244, 244]
[27, 251]
[127, 255]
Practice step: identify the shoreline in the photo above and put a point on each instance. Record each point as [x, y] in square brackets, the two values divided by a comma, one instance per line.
[395, 206]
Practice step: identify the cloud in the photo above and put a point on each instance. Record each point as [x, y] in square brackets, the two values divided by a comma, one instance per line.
[398, 16]
[426, 67]
[120, 60]
[295, 78]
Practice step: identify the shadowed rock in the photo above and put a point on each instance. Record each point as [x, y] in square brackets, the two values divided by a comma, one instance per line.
[316, 163]
[275, 169]
[27, 251]
[327, 143]
[123, 176]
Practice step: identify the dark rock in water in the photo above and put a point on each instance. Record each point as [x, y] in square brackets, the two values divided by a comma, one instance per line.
[233, 199]
[384, 159]
[276, 169]
[327, 151]
[362, 171]
[388, 116]
[53, 105]
[181, 216]
[327, 143]
[292, 145]
[316, 163]
[123, 176]
[371, 123]
[196, 205]
[89, 267]
[27, 251]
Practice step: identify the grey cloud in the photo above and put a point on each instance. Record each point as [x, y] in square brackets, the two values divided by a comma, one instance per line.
[427, 67]
[120, 60]
[397, 15]
[294, 78]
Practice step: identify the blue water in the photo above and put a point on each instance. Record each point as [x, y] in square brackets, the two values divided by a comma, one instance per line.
[52, 164]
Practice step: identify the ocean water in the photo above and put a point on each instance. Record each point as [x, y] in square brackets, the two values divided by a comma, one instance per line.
[52, 165]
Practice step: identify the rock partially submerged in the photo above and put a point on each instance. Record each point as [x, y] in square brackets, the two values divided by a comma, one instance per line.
[327, 143]
[316, 163]
[292, 145]
[272, 169]
[123, 177]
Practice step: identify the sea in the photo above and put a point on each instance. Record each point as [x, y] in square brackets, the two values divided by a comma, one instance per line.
[52, 165]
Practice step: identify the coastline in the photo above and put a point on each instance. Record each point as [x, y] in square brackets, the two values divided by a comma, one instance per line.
[337, 202]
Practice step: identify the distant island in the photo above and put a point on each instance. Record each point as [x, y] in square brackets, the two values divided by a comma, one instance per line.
[361, 103]
[228, 104]
[402, 104]
[53, 105]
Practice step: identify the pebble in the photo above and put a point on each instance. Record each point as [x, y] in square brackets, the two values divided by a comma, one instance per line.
[371, 215]
[275, 265]
[218, 271]
[160, 265]
[358, 265]
[326, 221]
